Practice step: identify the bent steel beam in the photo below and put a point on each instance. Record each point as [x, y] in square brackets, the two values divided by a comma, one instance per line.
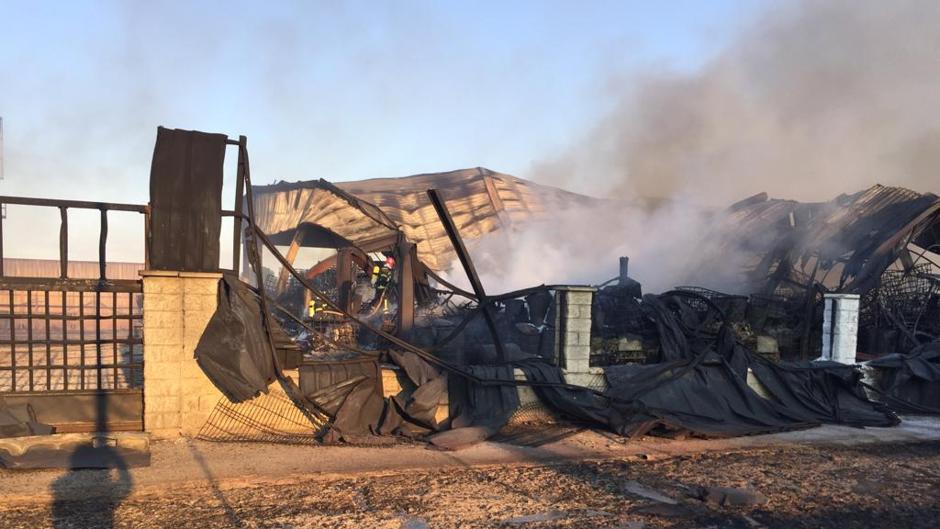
[464, 257]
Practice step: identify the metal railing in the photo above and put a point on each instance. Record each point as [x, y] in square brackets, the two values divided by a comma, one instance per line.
[62, 334]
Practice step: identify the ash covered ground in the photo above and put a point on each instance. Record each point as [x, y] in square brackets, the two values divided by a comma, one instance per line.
[896, 485]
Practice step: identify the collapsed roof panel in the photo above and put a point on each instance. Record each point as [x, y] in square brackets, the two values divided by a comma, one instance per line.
[480, 201]
[856, 235]
[283, 207]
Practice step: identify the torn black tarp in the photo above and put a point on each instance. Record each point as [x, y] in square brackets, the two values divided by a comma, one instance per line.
[234, 351]
[910, 382]
[349, 391]
[414, 411]
[477, 410]
[701, 389]
[826, 392]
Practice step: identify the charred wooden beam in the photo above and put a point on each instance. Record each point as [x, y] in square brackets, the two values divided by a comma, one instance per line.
[79, 204]
[296, 242]
[70, 284]
[1, 239]
[102, 245]
[407, 255]
[345, 275]
[239, 199]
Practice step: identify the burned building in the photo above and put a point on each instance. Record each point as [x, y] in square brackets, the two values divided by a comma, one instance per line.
[368, 338]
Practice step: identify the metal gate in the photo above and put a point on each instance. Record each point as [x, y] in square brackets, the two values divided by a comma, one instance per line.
[73, 348]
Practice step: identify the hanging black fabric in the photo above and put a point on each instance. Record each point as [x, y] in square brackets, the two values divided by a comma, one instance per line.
[186, 200]
[701, 388]
[234, 351]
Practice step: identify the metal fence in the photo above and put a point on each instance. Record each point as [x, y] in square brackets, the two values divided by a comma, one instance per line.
[69, 335]
[71, 340]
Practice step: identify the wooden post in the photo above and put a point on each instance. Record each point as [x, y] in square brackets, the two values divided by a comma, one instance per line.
[344, 277]
[1, 241]
[407, 255]
[295, 244]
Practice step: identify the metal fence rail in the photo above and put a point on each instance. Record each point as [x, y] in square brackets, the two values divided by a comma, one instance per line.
[69, 335]
[71, 340]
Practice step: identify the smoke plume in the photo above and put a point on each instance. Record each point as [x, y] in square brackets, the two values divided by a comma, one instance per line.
[812, 100]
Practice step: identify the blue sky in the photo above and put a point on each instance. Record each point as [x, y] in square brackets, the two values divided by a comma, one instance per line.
[339, 90]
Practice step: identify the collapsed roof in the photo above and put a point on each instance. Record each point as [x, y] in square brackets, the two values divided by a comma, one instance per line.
[844, 244]
[479, 200]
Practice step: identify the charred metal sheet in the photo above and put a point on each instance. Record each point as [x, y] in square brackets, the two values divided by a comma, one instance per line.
[480, 200]
[858, 236]
[186, 200]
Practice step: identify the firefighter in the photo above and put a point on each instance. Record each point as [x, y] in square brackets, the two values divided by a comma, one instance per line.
[382, 278]
[313, 308]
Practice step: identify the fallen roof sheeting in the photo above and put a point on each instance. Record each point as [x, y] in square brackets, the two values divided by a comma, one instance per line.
[480, 201]
[853, 238]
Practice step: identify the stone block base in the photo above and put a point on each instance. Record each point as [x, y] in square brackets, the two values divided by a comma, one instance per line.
[178, 397]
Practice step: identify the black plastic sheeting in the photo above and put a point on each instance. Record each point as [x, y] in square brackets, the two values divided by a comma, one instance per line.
[699, 388]
[911, 382]
[349, 391]
[186, 200]
[234, 351]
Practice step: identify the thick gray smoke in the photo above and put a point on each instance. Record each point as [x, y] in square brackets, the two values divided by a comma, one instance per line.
[814, 99]
[582, 245]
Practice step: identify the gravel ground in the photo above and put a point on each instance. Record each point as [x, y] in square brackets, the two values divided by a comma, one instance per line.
[812, 486]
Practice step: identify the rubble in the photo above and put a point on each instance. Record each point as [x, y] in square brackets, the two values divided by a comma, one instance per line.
[651, 347]
[688, 362]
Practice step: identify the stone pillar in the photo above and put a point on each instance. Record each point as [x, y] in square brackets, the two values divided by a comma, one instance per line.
[178, 397]
[840, 328]
[573, 335]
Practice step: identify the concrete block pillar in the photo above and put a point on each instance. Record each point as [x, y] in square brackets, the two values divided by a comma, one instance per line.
[573, 334]
[178, 397]
[840, 328]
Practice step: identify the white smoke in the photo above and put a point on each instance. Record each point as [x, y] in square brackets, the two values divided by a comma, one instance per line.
[814, 99]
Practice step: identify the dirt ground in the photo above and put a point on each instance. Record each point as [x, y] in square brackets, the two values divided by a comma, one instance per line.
[896, 485]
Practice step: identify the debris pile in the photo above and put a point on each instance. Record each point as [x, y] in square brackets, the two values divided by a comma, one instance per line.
[692, 361]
